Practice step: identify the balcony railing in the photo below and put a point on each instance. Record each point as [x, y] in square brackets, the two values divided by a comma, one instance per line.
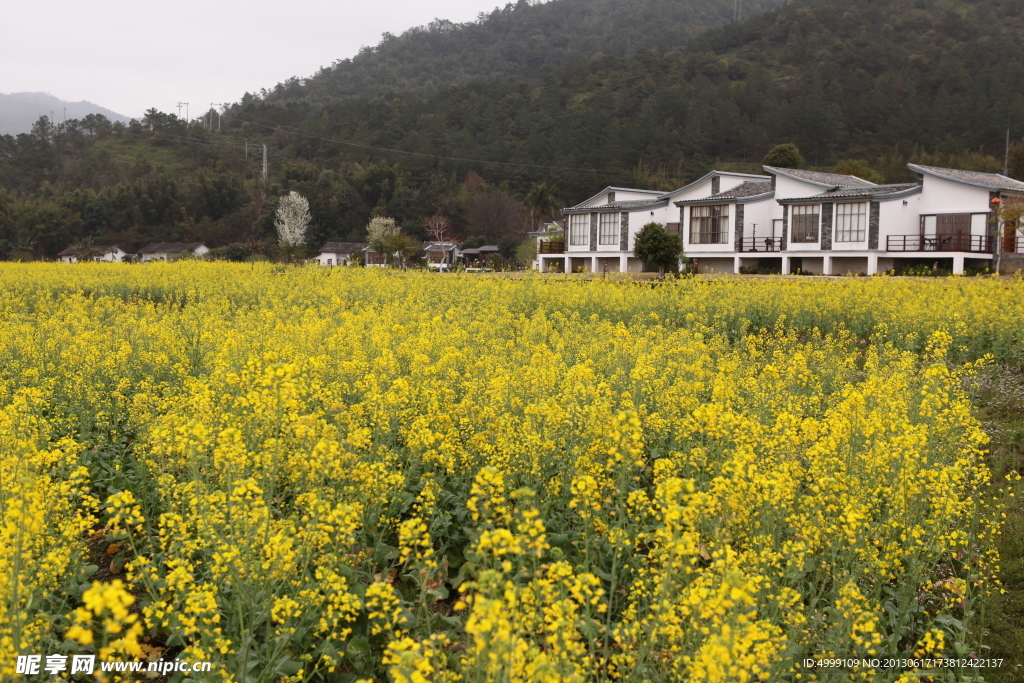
[1013, 244]
[760, 244]
[977, 244]
[551, 248]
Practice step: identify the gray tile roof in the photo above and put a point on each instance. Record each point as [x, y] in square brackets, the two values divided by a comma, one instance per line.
[342, 247]
[169, 247]
[743, 191]
[875, 191]
[624, 205]
[97, 249]
[820, 178]
[989, 181]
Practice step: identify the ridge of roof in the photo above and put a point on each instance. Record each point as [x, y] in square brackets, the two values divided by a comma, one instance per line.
[879, 192]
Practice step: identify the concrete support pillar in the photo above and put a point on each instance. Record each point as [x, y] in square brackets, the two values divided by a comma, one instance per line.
[785, 265]
[594, 267]
[624, 264]
[826, 265]
[737, 262]
[873, 264]
[958, 265]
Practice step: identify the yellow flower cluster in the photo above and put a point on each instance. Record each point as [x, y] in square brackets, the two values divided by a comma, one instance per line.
[359, 474]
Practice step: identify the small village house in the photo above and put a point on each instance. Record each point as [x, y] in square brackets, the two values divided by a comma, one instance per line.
[171, 251]
[111, 253]
[442, 255]
[340, 253]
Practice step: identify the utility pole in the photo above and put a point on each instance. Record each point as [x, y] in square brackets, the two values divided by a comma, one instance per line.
[263, 194]
[1006, 159]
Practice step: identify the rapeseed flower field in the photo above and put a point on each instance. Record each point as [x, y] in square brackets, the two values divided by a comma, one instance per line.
[306, 474]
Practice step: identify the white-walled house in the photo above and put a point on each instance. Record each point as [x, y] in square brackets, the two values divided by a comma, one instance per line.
[110, 253]
[340, 253]
[601, 231]
[823, 223]
[442, 255]
[171, 251]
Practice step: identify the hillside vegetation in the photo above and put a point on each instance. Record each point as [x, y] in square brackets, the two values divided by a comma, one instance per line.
[510, 41]
[880, 81]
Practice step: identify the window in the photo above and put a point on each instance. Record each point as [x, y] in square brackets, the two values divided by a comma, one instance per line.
[374, 259]
[435, 257]
[579, 229]
[709, 224]
[805, 224]
[851, 222]
[330, 262]
[672, 228]
[608, 228]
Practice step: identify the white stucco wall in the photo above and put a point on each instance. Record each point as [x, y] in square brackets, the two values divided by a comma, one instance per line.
[787, 188]
[944, 196]
[895, 220]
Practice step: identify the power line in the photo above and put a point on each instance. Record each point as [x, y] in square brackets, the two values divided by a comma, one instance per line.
[570, 169]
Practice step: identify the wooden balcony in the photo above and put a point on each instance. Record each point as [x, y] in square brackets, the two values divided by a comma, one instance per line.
[760, 244]
[551, 248]
[976, 244]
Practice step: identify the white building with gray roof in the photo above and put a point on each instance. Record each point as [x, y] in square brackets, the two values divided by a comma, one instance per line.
[816, 222]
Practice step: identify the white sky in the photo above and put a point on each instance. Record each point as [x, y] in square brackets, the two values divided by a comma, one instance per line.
[130, 55]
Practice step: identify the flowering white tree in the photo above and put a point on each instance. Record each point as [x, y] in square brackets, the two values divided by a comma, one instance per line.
[292, 220]
[380, 229]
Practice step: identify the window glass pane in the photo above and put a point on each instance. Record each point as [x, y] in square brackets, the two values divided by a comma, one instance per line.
[805, 223]
[851, 222]
[579, 229]
[608, 228]
[709, 224]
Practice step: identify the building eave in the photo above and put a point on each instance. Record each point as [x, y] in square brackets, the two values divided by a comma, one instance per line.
[712, 174]
[611, 208]
[612, 188]
[705, 201]
[782, 172]
[960, 181]
[821, 198]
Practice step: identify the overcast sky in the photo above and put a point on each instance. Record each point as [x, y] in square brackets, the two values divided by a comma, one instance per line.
[129, 55]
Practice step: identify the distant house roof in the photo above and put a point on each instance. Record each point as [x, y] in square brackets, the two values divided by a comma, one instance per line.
[476, 251]
[97, 248]
[170, 247]
[988, 181]
[342, 247]
[443, 246]
[743, 193]
[876, 192]
[830, 180]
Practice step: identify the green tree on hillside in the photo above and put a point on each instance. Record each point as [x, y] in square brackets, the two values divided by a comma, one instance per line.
[784, 156]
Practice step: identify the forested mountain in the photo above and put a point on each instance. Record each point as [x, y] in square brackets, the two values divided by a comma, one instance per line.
[510, 41]
[882, 82]
[19, 110]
